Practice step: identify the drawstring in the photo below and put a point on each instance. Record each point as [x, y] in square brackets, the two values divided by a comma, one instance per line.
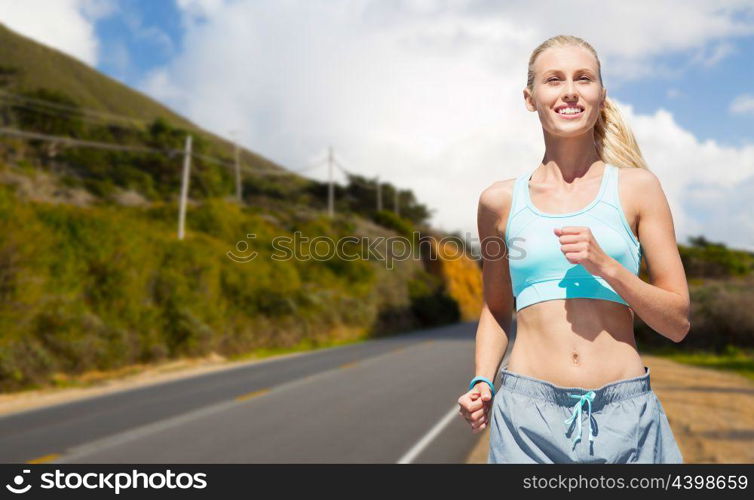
[588, 397]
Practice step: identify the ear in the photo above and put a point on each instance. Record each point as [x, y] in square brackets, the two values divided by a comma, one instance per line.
[528, 101]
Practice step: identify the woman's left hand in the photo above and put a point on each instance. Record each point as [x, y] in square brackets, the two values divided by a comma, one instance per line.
[579, 246]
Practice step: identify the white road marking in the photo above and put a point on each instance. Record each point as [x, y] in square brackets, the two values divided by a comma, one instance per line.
[428, 437]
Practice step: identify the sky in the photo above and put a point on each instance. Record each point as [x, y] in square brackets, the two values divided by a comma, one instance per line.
[427, 94]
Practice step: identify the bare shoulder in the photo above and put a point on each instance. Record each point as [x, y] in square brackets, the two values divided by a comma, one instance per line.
[642, 187]
[638, 180]
[639, 177]
[496, 197]
[494, 207]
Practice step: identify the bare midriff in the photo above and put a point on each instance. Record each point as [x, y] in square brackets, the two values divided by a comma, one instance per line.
[576, 343]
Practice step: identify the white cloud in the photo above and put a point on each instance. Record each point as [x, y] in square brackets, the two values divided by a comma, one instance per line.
[742, 104]
[429, 94]
[67, 25]
[723, 210]
[715, 54]
[197, 9]
[689, 168]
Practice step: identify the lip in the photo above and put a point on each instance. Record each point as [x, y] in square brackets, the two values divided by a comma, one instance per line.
[570, 117]
[569, 105]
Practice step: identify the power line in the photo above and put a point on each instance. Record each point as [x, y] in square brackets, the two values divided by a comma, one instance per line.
[70, 141]
[188, 154]
[352, 177]
[57, 109]
[80, 142]
[74, 109]
[101, 117]
[39, 105]
[246, 168]
[311, 167]
[377, 185]
[71, 115]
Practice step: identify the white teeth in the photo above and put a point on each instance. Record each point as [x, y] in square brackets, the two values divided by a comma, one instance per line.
[569, 111]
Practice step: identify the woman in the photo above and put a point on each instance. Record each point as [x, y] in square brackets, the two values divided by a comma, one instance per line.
[565, 240]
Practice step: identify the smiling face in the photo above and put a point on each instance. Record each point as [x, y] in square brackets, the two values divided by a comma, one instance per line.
[566, 79]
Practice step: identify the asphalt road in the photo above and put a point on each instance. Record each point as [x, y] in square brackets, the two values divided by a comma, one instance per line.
[383, 401]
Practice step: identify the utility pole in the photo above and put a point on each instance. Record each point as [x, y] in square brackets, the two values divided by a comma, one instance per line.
[395, 201]
[330, 187]
[184, 186]
[239, 195]
[379, 195]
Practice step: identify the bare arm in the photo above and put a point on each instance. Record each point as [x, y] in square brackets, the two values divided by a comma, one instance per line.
[496, 318]
[664, 304]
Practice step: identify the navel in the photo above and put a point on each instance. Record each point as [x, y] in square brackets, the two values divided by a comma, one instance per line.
[575, 358]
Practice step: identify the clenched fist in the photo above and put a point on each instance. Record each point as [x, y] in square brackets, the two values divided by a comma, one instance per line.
[579, 246]
[475, 406]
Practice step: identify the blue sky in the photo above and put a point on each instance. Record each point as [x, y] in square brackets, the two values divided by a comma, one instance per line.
[427, 93]
[699, 96]
[137, 37]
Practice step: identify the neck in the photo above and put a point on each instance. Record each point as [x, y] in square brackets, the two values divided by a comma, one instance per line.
[570, 157]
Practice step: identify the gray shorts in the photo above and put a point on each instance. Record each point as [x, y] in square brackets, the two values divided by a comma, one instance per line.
[534, 421]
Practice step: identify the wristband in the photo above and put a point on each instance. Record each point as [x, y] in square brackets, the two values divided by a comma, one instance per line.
[482, 379]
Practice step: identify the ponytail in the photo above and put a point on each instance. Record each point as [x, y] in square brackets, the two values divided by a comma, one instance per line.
[615, 142]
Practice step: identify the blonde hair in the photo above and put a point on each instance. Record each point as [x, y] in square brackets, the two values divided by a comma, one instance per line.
[613, 138]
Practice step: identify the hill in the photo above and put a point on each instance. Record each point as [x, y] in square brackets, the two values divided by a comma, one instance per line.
[27, 64]
[93, 278]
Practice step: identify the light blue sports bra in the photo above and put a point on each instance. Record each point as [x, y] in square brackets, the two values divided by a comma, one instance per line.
[539, 271]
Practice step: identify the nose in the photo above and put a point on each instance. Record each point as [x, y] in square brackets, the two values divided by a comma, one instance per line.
[569, 90]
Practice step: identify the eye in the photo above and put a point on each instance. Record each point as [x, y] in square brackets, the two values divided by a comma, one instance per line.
[554, 78]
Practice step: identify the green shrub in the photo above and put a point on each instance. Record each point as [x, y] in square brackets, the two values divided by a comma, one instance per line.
[721, 315]
[704, 259]
[390, 220]
[429, 301]
[106, 286]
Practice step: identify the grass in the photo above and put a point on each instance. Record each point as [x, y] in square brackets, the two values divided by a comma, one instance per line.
[732, 359]
[97, 377]
[33, 65]
[106, 287]
[304, 345]
[39, 65]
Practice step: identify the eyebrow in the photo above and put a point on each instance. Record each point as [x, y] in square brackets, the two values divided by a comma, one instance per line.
[580, 70]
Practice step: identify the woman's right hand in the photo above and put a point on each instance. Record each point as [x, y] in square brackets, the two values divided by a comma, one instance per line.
[475, 406]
